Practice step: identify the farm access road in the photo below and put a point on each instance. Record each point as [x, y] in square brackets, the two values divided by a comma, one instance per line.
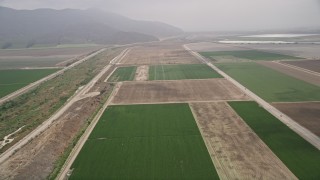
[81, 94]
[51, 76]
[303, 132]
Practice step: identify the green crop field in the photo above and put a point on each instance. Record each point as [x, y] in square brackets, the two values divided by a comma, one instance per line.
[249, 54]
[270, 84]
[296, 153]
[12, 80]
[177, 72]
[145, 142]
[123, 74]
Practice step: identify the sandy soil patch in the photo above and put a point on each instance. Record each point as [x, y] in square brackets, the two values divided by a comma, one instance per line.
[237, 152]
[307, 114]
[159, 53]
[312, 65]
[142, 73]
[177, 91]
[299, 74]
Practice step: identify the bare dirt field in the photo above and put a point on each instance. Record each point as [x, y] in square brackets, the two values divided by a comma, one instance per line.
[237, 152]
[299, 74]
[142, 73]
[307, 114]
[159, 53]
[313, 65]
[177, 91]
[208, 46]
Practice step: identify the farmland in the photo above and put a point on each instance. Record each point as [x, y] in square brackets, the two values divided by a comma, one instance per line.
[269, 84]
[177, 72]
[248, 54]
[313, 65]
[123, 74]
[177, 91]
[164, 53]
[12, 80]
[296, 153]
[145, 142]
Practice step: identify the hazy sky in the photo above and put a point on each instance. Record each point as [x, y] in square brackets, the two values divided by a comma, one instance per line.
[199, 15]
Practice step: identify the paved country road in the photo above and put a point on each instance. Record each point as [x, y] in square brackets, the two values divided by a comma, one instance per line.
[303, 132]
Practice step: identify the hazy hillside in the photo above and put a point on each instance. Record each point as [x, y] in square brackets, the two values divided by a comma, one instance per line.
[27, 28]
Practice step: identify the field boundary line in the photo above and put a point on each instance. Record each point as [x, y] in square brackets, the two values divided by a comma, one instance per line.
[214, 161]
[302, 131]
[49, 77]
[77, 148]
[297, 68]
[107, 78]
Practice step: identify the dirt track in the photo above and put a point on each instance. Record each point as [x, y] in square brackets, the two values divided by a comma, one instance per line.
[159, 53]
[237, 152]
[306, 114]
[142, 73]
[313, 65]
[299, 74]
[177, 91]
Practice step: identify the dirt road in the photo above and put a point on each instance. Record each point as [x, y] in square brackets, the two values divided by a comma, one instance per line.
[66, 168]
[37, 83]
[303, 132]
[78, 96]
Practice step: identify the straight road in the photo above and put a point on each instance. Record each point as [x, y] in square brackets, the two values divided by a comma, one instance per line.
[303, 132]
[78, 96]
[51, 76]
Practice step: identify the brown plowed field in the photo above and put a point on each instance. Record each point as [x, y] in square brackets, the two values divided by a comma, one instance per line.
[208, 46]
[177, 91]
[299, 74]
[313, 65]
[307, 114]
[159, 53]
[237, 152]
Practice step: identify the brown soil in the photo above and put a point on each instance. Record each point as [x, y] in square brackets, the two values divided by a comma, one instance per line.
[307, 114]
[159, 53]
[142, 73]
[36, 160]
[237, 152]
[313, 65]
[299, 74]
[177, 91]
[208, 46]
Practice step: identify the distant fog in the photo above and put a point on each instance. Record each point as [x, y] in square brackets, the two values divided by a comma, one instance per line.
[200, 15]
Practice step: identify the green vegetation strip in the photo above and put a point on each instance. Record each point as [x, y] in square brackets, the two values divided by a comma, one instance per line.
[123, 74]
[249, 54]
[185, 71]
[145, 142]
[296, 153]
[13, 80]
[269, 84]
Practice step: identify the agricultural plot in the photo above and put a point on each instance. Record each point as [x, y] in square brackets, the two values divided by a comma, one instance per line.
[145, 142]
[237, 152]
[297, 154]
[177, 72]
[159, 53]
[253, 55]
[12, 80]
[177, 91]
[293, 72]
[306, 114]
[269, 84]
[123, 74]
[42, 57]
[313, 65]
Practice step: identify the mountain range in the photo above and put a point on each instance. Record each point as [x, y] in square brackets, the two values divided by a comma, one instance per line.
[28, 28]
